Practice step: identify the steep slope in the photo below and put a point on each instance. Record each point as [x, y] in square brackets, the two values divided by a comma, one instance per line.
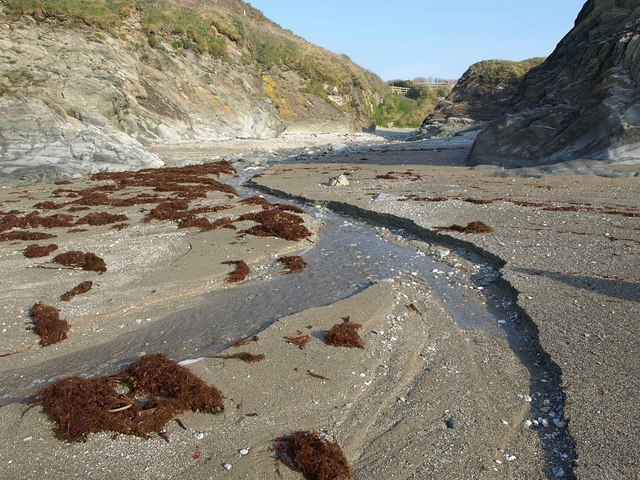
[481, 95]
[582, 102]
[85, 85]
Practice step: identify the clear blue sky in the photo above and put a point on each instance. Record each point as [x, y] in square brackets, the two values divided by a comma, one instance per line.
[400, 39]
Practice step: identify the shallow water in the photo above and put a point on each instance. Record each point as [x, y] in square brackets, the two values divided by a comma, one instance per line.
[348, 257]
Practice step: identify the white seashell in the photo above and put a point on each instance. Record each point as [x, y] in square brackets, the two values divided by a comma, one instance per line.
[243, 451]
[527, 398]
[527, 423]
[227, 466]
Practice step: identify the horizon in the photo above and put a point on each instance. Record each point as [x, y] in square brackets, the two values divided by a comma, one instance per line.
[380, 37]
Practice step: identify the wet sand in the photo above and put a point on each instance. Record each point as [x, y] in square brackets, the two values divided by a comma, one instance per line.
[426, 398]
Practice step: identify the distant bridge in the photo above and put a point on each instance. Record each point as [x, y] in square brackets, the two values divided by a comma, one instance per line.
[404, 90]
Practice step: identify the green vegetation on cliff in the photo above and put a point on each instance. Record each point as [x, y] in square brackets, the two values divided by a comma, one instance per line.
[212, 26]
[409, 110]
[491, 76]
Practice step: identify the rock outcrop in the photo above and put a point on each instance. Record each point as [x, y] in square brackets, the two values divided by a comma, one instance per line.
[83, 91]
[583, 102]
[481, 95]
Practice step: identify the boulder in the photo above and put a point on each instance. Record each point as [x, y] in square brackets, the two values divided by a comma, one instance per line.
[582, 103]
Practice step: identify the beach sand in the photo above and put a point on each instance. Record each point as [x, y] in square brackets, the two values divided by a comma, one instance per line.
[425, 398]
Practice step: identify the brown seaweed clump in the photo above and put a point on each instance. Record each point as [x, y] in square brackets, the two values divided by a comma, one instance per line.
[155, 390]
[277, 222]
[240, 273]
[472, 227]
[294, 263]
[101, 218]
[84, 287]
[27, 236]
[86, 261]
[314, 455]
[345, 335]
[48, 324]
[299, 340]
[244, 356]
[36, 251]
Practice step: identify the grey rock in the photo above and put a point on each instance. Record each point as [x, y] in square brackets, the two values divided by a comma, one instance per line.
[582, 102]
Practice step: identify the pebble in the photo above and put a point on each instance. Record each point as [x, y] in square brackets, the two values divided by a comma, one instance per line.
[452, 424]
[527, 423]
[198, 435]
[510, 458]
[227, 466]
[243, 451]
[527, 398]
[557, 472]
[559, 423]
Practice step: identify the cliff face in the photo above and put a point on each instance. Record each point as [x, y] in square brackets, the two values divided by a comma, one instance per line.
[582, 102]
[481, 95]
[88, 89]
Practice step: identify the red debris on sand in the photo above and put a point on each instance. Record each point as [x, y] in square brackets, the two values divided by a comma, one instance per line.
[240, 273]
[472, 227]
[86, 261]
[101, 218]
[314, 455]
[299, 340]
[48, 324]
[36, 251]
[139, 401]
[84, 287]
[345, 335]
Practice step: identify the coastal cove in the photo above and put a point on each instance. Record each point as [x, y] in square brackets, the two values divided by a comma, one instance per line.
[510, 360]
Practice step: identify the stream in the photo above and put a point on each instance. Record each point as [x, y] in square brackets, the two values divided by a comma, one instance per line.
[350, 255]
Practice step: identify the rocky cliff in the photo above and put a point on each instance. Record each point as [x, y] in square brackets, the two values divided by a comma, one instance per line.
[583, 102]
[481, 95]
[87, 85]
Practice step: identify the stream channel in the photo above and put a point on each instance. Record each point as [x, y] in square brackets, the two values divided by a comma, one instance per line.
[349, 256]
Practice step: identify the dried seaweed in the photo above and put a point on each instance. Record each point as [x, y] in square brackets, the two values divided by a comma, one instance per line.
[299, 340]
[157, 389]
[472, 227]
[101, 218]
[36, 251]
[201, 223]
[274, 215]
[240, 273]
[287, 231]
[86, 261]
[345, 335]
[244, 356]
[83, 287]
[49, 205]
[294, 263]
[245, 341]
[27, 236]
[48, 324]
[314, 455]
[263, 202]
[169, 210]
[316, 375]
[289, 208]
[413, 308]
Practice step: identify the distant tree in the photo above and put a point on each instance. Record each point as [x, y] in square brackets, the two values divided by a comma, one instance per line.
[420, 80]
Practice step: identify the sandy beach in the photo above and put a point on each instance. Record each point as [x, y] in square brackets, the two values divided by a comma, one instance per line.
[546, 388]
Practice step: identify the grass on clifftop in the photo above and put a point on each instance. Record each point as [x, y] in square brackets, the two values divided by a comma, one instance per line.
[209, 26]
[410, 110]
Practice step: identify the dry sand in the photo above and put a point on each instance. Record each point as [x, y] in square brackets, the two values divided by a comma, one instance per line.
[392, 404]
